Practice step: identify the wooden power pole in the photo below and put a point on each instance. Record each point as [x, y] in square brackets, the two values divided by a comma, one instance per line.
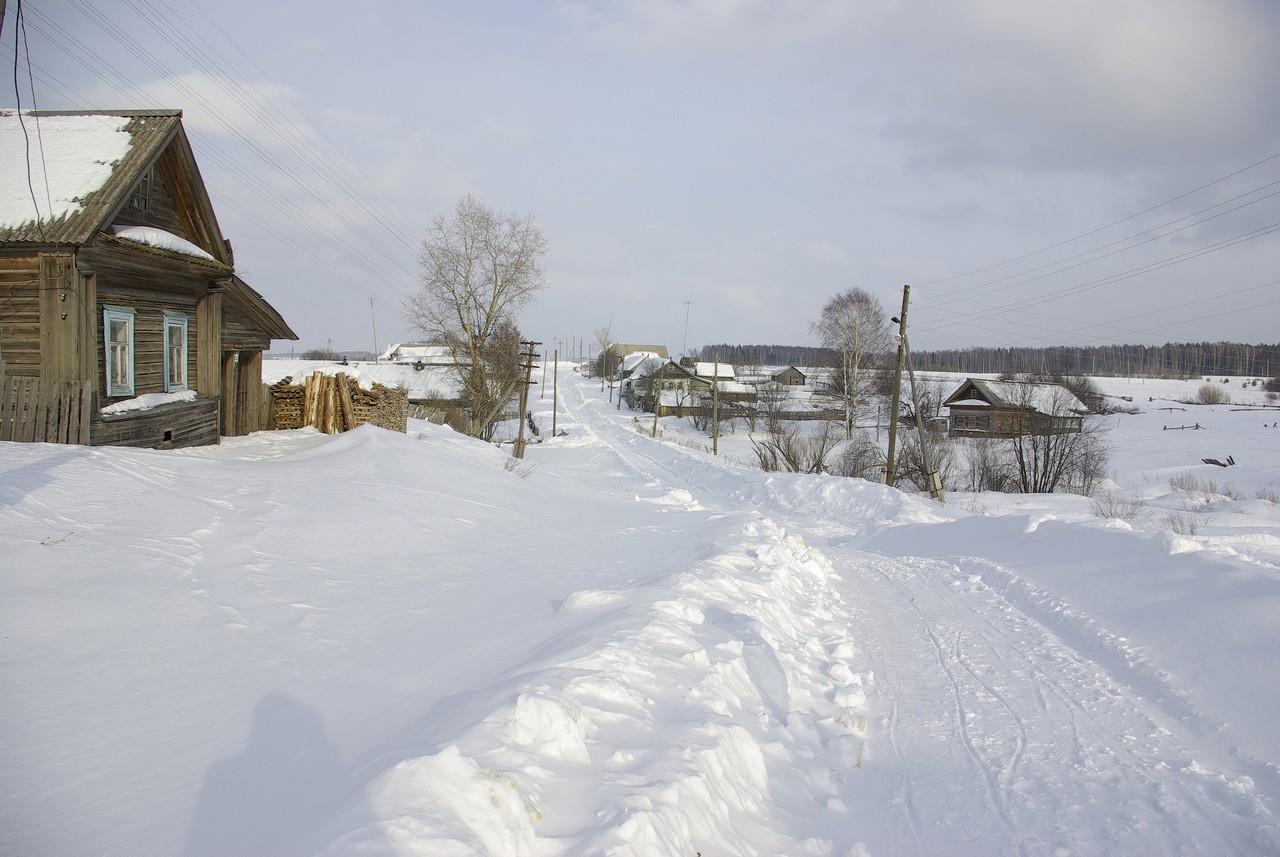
[897, 387]
[529, 357]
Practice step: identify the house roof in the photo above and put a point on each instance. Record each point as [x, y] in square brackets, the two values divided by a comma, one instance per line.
[635, 359]
[431, 355]
[64, 175]
[622, 349]
[1045, 397]
[714, 370]
[263, 313]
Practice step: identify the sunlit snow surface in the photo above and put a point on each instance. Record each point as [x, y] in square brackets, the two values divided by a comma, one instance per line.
[383, 644]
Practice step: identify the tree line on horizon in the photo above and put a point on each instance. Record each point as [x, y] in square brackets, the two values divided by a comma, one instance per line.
[1173, 359]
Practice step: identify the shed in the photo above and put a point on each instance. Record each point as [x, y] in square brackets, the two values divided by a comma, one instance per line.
[790, 377]
[119, 288]
[985, 408]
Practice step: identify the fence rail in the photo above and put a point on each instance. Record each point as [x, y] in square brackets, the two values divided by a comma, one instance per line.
[34, 410]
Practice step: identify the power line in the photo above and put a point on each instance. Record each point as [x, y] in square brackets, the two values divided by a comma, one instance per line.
[1177, 198]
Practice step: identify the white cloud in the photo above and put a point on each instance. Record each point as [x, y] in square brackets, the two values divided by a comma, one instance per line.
[826, 253]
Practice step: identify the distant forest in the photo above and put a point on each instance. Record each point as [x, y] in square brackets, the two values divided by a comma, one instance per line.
[1182, 359]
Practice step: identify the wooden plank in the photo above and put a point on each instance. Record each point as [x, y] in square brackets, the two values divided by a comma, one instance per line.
[26, 425]
[86, 413]
[44, 402]
[8, 403]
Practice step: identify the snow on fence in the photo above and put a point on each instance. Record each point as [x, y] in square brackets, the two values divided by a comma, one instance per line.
[337, 403]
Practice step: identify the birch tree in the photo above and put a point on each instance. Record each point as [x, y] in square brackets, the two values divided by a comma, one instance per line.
[855, 326]
[480, 267]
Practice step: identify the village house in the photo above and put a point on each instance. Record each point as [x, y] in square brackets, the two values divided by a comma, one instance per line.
[122, 320]
[729, 389]
[984, 408]
[418, 354]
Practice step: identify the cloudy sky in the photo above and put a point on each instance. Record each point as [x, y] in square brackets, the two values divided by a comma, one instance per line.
[709, 171]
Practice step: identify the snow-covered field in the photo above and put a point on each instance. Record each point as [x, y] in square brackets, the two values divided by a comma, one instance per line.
[385, 644]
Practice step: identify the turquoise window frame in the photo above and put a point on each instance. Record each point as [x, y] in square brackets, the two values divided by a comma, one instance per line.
[175, 352]
[118, 350]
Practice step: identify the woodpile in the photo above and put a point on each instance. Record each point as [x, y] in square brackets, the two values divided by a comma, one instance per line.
[337, 403]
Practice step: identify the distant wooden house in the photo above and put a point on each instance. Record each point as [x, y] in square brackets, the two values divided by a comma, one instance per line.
[789, 377]
[983, 408]
[619, 350]
[119, 286]
[729, 389]
[417, 354]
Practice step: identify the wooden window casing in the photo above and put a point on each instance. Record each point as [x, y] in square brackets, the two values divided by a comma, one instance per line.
[118, 345]
[175, 351]
[140, 199]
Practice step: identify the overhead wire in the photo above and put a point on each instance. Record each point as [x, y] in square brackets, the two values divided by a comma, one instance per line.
[213, 152]
[1091, 232]
[306, 188]
[400, 283]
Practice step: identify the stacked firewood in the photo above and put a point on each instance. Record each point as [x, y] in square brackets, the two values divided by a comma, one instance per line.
[337, 403]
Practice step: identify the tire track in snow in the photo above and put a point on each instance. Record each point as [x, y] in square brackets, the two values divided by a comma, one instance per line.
[1043, 731]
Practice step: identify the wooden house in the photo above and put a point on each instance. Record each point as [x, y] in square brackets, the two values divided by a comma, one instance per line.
[789, 377]
[983, 408]
[118, 286]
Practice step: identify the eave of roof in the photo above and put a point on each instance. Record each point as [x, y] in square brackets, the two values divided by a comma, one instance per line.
[264, 313]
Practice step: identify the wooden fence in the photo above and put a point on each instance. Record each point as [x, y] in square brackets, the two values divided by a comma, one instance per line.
[33, 410]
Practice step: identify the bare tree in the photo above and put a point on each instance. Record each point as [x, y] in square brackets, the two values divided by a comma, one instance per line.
[854, 325]
[480, 267]
[791, 451]
[1053, 454]
[603, 339]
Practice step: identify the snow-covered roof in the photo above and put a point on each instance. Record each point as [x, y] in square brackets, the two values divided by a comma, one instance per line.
[631, 361]
[648, 366]
[713, 370]
[1045, 397]
[432, 355]
[50, 166]
[71, 169]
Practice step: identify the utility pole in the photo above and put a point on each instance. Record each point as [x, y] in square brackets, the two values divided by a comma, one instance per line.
[374, 319]
[555, 390]
[715, 406]
[529, 357]
[904, 356]
[931, 473]
[686, 328]
[897, 387]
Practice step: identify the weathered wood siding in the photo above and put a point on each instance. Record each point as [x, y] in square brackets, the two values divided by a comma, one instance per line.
[172, 426]
[240, 333]
[20, 315]
[161, 214]
[148, 332]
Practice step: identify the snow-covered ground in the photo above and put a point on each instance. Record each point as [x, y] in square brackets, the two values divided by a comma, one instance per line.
[385, 644]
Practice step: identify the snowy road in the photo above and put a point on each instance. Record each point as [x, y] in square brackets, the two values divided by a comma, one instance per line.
[990, 733]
